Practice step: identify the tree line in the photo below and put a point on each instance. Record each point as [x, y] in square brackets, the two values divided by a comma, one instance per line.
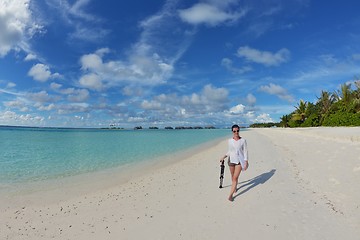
[338, 108]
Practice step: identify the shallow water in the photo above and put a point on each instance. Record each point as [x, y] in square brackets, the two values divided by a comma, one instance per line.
[33, 154]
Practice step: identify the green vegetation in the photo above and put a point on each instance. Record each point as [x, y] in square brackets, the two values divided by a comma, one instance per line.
[264, 125]
[340, 108]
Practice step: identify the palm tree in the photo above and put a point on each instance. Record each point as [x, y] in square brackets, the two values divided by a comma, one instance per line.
[356, 104]
[357, 91]
[285, 120]
[324, 102]
[300, 113]
[345, 94]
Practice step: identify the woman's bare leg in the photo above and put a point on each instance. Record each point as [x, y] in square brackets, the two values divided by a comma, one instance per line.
[235, 173]
[232, 170]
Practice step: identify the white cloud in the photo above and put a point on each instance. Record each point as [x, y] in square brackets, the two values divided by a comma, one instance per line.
[209, 14]
[264, 57]
[74, 95]
[10, 85]
[238, 109]
[250, 115]
[41, 97]
[263, 118]
[209, 101]
[277, 109]
[77, 10]
[68, 91]
[86, 25]
[91, 81]
[16, 25]
[151, 105]
[162, 42]
[132, 91]
[215, 94]
[32, 101]
[87, 34]
[17, 104]
[228, 64]
[259, 28]
[79, 95]
[44, 107]
[30, 57]
[12, 118]
[55, 86]
[251, 99]
[143, 70]
[149, 61]
[277, 90]
[91, 62]
[41, 72]
[137, 119]
[73, 108]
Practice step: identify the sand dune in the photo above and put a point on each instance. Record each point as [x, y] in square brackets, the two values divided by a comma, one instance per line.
[301, 184]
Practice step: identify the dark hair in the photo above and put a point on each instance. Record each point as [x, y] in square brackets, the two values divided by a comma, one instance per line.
[235, 126]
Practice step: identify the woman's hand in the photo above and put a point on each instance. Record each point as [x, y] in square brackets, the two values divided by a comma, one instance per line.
[246, 165]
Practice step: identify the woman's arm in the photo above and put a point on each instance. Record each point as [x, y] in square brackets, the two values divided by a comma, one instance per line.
[246, 155]
[226, 155]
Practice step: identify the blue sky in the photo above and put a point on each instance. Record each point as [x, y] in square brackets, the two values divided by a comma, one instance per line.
[91, 63]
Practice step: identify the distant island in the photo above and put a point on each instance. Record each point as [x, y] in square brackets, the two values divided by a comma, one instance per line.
[115, 127]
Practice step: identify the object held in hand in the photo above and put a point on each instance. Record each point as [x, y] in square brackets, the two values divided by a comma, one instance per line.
[222, 168]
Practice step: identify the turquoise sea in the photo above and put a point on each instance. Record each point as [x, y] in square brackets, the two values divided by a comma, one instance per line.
[36, 154]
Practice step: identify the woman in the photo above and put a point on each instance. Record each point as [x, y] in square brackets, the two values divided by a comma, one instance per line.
[237, 158]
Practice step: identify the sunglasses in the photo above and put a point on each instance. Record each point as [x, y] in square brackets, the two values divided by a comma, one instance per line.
[236, 131]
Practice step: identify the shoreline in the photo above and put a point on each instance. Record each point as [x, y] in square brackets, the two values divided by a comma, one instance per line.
[300, 185]
[28, 157]
[52, 190]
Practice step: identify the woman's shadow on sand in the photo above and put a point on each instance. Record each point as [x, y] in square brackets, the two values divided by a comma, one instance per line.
[251, 183]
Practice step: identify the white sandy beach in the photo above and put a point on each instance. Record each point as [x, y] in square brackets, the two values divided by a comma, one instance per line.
[301, 184]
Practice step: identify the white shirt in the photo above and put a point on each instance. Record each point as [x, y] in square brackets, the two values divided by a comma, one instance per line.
[238, 152]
